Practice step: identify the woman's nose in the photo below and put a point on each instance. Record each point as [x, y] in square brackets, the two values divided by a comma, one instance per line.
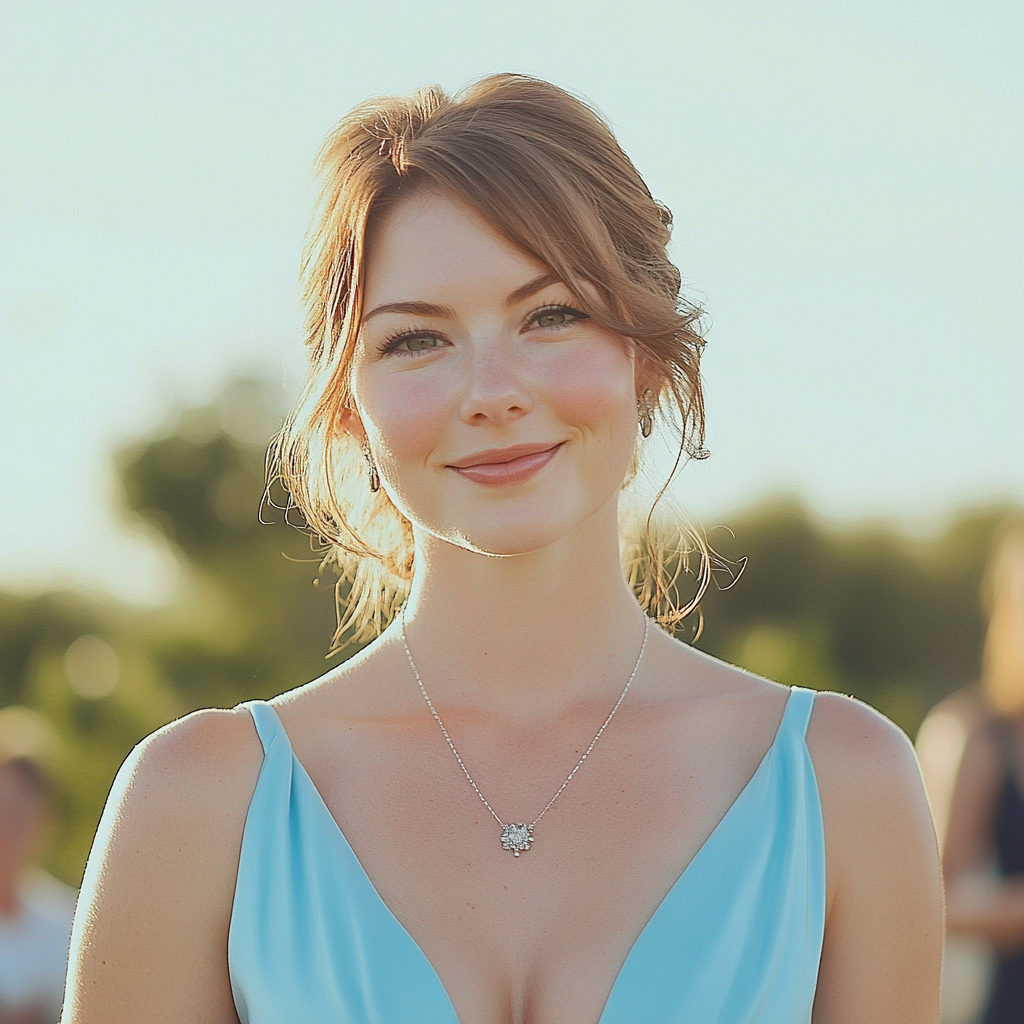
[495, 391]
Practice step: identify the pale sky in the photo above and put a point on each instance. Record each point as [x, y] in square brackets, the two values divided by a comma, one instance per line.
[846, 182]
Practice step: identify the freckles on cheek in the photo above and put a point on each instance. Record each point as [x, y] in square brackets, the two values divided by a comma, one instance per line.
[589, 390]
[408, 413]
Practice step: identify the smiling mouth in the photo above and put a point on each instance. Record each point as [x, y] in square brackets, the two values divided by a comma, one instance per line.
[507, 466]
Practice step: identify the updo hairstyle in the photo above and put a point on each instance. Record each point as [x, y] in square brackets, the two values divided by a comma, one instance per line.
[544, 170]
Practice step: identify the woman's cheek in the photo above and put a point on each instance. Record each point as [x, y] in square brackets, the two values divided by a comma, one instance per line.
[408, 412]
[593, 388]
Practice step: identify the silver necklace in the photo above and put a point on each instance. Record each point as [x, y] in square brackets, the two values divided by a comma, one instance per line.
[517, 836]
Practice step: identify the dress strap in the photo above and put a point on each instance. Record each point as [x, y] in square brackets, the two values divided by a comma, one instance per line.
[798, 711]
[268, 725]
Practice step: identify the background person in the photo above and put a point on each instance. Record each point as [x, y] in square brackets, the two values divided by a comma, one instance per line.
[984, 843]
[35, 910]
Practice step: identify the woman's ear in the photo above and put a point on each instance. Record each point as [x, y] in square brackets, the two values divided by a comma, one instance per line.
[348, 420]
[649, 380]
[647, 374]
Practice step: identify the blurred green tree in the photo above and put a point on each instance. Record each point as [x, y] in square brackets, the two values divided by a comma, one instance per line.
[247, 622]
[78, 688]
[259, 621]
[868, 611]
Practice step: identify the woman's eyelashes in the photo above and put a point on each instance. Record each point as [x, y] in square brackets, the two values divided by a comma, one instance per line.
[556, 317]
[411, 343]
[418, 341]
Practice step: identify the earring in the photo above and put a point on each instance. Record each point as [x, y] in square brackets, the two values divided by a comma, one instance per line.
[374, 475]
[645, 413]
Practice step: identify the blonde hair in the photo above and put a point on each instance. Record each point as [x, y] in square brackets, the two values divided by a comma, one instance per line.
[1003, 597]
[546, 171]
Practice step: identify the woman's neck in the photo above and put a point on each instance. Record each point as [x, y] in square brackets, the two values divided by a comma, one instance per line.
[531, 631]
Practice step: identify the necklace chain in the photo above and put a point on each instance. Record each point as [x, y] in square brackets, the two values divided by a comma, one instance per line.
[524, 844]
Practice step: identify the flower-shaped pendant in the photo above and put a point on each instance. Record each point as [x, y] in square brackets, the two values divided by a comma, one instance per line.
[516, 838]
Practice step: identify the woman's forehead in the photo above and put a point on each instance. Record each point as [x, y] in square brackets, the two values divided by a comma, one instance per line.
[433, 247]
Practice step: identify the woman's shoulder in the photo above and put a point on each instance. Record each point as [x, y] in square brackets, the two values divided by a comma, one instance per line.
[159, 884]
[202, 767]
[879, 834]
[860, 757]
[843, 732]
[209, 739]
[862, 761]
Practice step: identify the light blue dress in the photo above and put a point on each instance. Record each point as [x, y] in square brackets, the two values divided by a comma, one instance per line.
[737, 939]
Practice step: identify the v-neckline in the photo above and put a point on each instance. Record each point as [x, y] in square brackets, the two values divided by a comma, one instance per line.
[666, 899]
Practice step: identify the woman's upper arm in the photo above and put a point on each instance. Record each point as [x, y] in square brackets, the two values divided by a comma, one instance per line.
[150, 937]
[883, 929]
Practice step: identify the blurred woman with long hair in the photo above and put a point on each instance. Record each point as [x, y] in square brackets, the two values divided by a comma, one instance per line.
[525, 802]
[986, 817]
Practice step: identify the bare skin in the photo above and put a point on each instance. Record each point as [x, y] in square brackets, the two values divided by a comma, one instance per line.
[525, 632]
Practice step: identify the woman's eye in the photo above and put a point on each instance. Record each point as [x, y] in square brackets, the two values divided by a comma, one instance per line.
[557, 316]
[419, 342]
[410, 343]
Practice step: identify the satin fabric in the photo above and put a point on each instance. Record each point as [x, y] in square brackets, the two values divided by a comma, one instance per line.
[736, 940]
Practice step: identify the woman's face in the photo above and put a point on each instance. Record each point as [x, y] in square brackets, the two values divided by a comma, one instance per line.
[499, 415]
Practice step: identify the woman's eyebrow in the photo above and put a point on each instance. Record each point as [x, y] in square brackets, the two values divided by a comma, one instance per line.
[446, 312]
[414, 308]
[530, 288]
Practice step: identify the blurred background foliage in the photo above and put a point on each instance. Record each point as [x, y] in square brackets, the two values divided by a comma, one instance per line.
[864, 610]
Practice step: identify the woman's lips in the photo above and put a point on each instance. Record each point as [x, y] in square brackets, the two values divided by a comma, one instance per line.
[510, 471]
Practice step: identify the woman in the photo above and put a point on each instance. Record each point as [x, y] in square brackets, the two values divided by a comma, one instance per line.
[35, 909]
[500, 810]
[986, 816]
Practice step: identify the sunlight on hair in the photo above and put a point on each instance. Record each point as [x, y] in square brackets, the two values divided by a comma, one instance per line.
[1003, 594]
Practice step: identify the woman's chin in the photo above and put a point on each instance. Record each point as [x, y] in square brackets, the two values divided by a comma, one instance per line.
[503, 544]
[517, 537]
[509, 547]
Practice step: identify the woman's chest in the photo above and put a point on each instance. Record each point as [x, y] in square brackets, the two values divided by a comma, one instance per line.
[540, 937]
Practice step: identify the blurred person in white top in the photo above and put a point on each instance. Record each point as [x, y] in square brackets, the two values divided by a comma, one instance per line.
[35, 909]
